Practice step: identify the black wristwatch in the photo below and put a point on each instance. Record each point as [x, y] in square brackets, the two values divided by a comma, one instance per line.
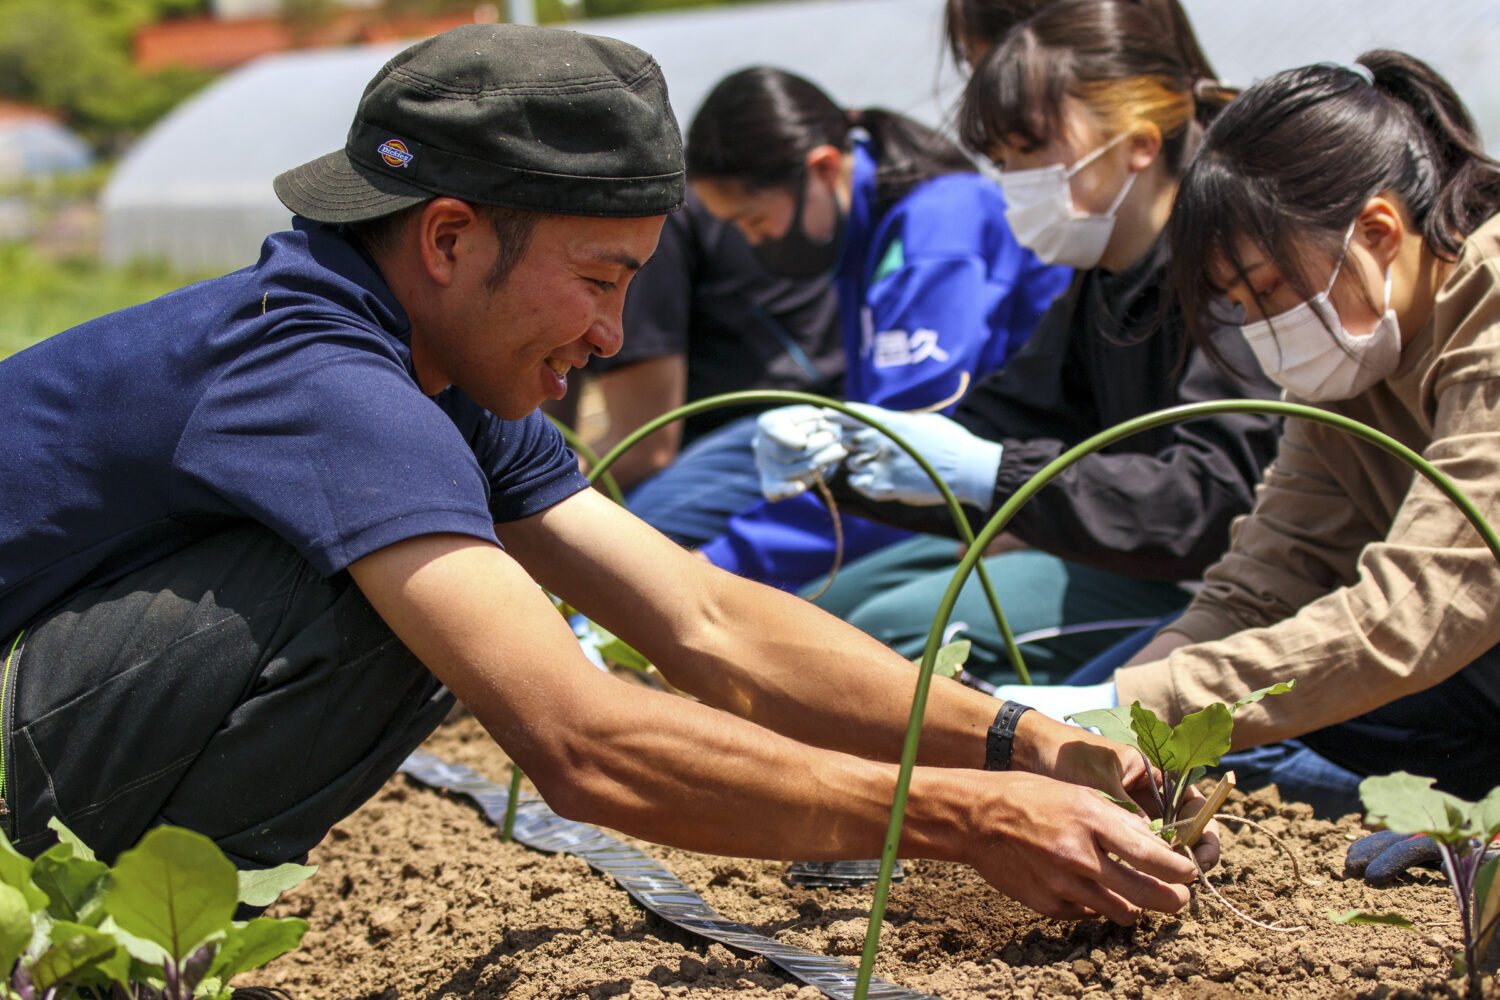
[1002, 736]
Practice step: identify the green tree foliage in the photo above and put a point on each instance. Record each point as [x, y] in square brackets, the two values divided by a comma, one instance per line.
[74, 57]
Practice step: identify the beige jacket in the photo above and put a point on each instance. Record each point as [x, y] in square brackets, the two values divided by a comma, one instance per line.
[1352, 574]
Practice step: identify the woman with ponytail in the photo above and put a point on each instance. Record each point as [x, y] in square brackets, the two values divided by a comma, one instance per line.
[1347, 216]
[1089, 109]
[933, 290]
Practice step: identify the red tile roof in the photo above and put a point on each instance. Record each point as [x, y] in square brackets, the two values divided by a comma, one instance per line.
[13, 111]
[208, 43]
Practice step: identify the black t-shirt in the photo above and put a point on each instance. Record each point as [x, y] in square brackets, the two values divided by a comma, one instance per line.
[705, 295]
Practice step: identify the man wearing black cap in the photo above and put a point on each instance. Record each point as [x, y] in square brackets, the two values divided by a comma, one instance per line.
[249, 535]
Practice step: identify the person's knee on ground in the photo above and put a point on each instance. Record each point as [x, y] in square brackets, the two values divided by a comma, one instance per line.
[227, 688]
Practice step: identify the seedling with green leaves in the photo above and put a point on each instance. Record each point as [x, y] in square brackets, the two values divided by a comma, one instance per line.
[1463, 830]
[1179, 756]
[1182, 753]
[159, 925]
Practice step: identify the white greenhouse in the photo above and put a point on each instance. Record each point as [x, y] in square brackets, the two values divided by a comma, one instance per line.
[196, 190]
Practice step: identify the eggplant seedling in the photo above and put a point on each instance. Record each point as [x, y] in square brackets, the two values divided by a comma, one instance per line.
[1178, 757]
[1409, 804]
[1182, 753]
[158, 925]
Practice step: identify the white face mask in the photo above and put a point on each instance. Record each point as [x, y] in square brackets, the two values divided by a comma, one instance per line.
[1039, 208]
[1304, 360]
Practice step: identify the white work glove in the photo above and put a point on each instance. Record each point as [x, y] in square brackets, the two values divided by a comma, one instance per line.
[882, 471]
[1057, 701]
[793, 446]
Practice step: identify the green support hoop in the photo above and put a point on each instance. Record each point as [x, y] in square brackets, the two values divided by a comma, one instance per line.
[789, 396]
[1026, 492]
[590, 456]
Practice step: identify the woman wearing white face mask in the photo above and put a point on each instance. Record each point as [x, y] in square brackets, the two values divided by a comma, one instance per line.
[1089, 107]
[1046, 217]
[1350, 213]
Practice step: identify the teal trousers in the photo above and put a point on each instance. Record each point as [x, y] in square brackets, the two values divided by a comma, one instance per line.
[894, 595]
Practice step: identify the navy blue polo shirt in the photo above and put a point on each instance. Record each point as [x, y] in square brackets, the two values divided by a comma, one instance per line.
[281, 394]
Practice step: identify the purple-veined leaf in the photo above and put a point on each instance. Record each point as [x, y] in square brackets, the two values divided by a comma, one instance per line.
[1487, 903]
[175, 888]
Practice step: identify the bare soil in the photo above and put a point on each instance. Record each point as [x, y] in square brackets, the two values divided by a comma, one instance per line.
[416, 898]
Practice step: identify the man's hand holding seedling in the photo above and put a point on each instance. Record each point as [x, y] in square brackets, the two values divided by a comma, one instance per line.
[1101, 859]
[1114, 768]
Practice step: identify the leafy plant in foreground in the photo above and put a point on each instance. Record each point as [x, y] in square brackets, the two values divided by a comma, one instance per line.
[1182, 753]
[159, 925]
[1409, 804]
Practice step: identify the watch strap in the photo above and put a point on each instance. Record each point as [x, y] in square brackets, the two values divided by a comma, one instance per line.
[1000, 740]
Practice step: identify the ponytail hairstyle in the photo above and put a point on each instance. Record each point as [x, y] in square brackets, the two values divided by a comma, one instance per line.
[1114, 57]
[988, 21]
[1289, 164]
[757, 126]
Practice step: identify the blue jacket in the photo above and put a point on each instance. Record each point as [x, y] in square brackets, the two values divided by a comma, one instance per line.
[935, 289]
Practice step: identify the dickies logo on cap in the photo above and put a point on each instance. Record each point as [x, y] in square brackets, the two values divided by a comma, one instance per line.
[394, 153]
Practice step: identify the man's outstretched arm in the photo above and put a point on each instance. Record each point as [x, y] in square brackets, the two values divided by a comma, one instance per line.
[776, 659]
[670, 770]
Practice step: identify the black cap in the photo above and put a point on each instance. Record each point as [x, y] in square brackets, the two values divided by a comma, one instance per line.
[502, 114]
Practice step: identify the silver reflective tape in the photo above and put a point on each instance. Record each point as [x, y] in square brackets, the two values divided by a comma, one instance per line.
[646, 879]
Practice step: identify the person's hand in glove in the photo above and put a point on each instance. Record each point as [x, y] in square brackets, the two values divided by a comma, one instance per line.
[882, 471]
[794, 445]
[1381, 857]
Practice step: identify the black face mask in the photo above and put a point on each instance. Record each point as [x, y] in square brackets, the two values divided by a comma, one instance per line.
[796, 255]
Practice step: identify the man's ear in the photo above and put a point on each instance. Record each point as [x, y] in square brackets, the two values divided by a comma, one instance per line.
[1380, 228]
[444, 237]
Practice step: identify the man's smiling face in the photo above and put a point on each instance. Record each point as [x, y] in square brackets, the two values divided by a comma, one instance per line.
[511, 345]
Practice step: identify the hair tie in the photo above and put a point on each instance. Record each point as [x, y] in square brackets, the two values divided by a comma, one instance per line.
[1208, 89]
[1362, 71]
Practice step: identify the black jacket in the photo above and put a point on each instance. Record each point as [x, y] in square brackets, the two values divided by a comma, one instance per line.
[1155, 506]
